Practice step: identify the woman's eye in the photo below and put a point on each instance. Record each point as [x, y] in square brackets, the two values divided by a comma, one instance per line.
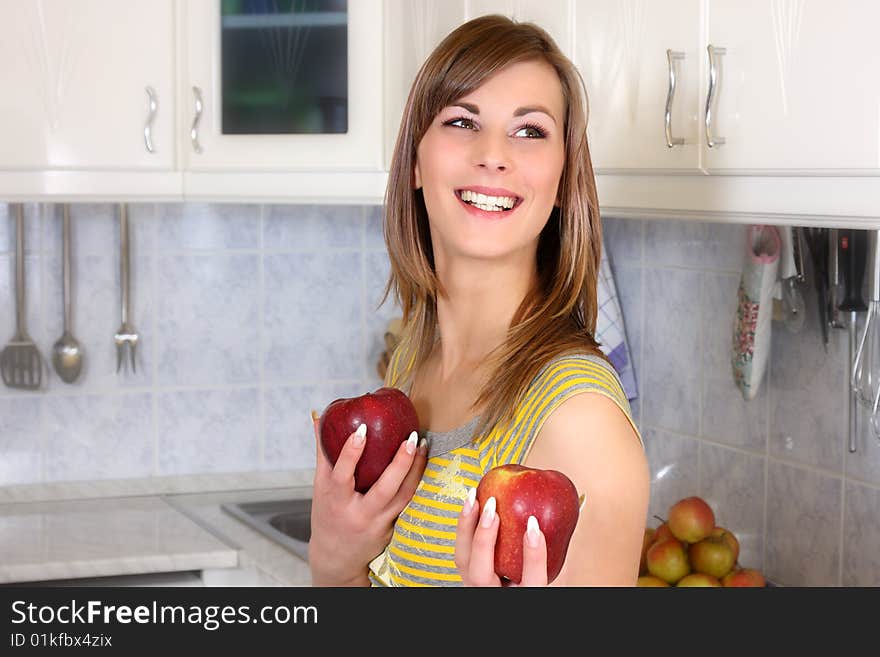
[537, 133]
[454, 121]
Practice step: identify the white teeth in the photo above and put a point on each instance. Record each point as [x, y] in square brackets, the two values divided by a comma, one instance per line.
[489, 203]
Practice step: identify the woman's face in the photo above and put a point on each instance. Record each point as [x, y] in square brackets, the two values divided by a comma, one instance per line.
[506, 135]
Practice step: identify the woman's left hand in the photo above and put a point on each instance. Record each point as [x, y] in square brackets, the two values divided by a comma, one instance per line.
[475, 547]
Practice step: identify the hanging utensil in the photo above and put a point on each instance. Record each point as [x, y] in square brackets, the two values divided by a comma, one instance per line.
[21, 365]
[126, 336]
[793, 306]
[863, 379]
[817, 241]
[853, 256]
[67, 354]
[834, 320]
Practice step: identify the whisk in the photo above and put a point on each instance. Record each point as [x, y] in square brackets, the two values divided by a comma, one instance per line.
[866, 368]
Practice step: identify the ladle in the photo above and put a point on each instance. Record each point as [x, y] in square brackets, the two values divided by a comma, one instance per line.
[67, 354]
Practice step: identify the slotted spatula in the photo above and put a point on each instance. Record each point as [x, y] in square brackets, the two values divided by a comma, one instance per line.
[20, 363]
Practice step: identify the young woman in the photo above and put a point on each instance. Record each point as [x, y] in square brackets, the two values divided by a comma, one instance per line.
[493, 231]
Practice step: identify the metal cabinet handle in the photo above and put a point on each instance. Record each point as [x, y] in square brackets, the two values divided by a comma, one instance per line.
[670, 94]
[194, 131]
[711, 140]
[148, 128]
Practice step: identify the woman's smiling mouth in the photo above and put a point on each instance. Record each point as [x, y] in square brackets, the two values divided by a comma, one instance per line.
[488, 206]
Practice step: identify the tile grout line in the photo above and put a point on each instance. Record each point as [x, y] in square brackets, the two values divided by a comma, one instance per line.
[364, 351]
[642, 320]
[767, 407]
[154, 388]
[44, 442]
[261, 284]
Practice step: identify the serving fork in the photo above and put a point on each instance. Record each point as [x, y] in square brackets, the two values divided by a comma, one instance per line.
[126, 336]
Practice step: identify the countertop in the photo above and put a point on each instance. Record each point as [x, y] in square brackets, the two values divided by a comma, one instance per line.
[112, 536]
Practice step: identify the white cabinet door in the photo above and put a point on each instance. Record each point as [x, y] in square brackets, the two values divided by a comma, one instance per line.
[621, 51]
[413, 28]
[75, 76]
[358, 149]
[552, 15]
[798, 89]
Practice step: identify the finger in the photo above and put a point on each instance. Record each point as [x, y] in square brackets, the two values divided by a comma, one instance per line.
[534, 572]
[322, 465]
[343, 470]
[388, 483]
[464, 533]
[481, 562]
[411, 483]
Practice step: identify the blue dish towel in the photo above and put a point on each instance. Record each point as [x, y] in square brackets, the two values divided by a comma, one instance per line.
[611, 331]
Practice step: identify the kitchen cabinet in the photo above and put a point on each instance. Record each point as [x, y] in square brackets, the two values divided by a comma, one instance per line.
[773, 119]
[797, 89]
[637, 59]
[88, 97]
[414, 29]
[266, 92]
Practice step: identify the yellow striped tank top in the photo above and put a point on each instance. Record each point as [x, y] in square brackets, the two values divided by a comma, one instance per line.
[422, 547]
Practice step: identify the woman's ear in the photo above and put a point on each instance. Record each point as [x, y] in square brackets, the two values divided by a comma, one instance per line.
[418, 177]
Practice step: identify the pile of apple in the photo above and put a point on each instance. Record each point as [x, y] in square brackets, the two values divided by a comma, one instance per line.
[688, 549]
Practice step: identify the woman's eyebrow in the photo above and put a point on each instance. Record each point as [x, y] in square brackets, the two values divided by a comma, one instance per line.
[519, 111]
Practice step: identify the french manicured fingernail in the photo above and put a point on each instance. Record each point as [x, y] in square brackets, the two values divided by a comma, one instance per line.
[360, 435]
[488, 513]
[423, 446]
[469, 502]
[412, 442]
[533, 533]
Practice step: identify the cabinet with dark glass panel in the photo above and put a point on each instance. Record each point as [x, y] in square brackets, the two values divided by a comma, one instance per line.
[282, 85]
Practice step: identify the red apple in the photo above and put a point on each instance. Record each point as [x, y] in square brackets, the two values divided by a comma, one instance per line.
[698, 579]
[744, 577]
[649, 581]
[691, 519]
[663, 533]
[668, 560]
[390, 418]
[646, 543]
[711, 556]
[731, 539]
[521, 492]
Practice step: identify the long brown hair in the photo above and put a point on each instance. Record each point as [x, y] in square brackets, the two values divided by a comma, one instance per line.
[558, 315]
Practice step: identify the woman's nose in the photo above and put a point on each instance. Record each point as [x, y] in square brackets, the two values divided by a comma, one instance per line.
[492, 152]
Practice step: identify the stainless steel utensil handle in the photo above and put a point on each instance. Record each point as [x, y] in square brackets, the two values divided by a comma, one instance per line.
[123, 259]
[671, 56]
[19, 269]
[194, 131]
[148, 128]
[875, 273]
[853, 401]
[66, 264]
[712, 140]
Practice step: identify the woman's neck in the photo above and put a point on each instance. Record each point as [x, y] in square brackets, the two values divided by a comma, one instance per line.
[475, 313]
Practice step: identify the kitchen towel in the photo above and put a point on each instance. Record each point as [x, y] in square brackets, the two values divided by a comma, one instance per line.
[754, 308]
[611, 331]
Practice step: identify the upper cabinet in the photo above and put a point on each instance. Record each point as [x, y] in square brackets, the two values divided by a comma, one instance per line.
[414, 29]
[88, 86]
[641, 63]
[798, 90]
[725, 110]
[282, 86]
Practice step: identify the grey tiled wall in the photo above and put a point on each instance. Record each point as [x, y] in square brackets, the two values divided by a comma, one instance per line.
[250, 315]
[776, 469]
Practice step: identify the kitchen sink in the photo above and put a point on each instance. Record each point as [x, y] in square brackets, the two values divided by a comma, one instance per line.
[287, 522]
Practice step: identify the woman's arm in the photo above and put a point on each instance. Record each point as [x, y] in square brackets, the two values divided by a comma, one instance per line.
[589, 438]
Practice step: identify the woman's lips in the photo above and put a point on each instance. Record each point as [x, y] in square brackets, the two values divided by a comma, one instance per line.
[489, 214]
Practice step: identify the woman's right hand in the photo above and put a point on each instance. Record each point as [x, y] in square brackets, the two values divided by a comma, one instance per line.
[349, 529]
